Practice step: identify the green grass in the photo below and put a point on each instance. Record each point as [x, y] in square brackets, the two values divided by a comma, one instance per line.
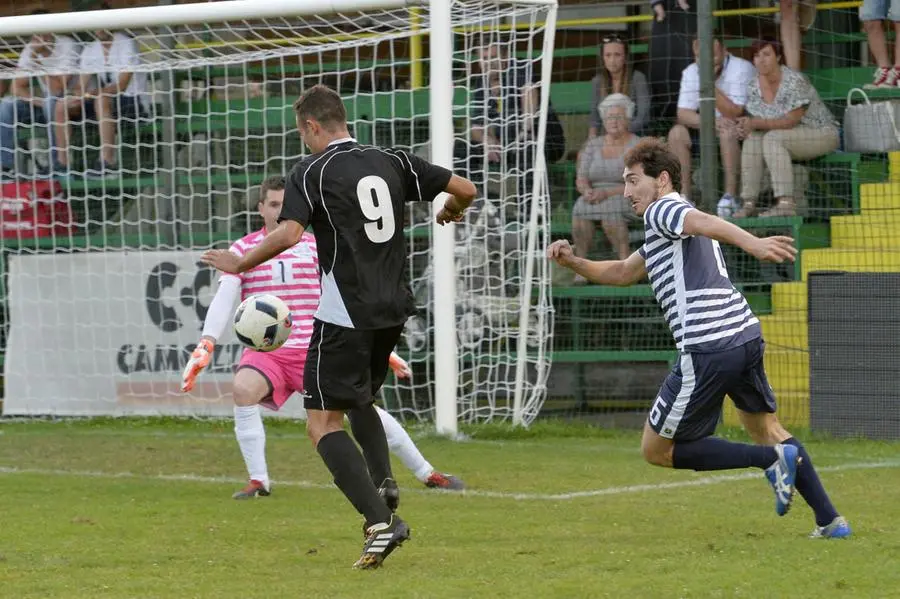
[96, 509]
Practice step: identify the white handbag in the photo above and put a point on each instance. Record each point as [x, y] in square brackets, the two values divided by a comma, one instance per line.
[870, 128]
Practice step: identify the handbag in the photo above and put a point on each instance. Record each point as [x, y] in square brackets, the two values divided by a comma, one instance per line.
[870, 128]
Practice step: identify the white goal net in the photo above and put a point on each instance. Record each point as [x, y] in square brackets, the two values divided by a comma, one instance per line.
[108, 200]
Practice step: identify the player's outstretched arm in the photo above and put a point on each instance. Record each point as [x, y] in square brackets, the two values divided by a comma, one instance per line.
[778, 248]
[217, 316]
[285, 236]
[621, 273]
[399, 366]
[462, 194]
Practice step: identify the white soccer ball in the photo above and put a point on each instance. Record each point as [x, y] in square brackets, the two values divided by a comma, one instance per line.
[262, 322]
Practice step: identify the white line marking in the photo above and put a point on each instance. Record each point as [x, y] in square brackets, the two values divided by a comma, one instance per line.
[580, 444]
[619, 490]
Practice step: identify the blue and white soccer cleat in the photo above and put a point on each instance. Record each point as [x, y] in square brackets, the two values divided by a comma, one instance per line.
[782, 475]
[838, 529]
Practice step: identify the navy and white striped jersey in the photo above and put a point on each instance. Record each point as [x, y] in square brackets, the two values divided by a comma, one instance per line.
[703, 309]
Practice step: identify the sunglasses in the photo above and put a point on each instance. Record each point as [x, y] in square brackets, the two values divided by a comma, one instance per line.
[612, 37]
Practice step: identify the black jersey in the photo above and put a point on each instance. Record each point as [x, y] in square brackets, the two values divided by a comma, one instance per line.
[353, 197]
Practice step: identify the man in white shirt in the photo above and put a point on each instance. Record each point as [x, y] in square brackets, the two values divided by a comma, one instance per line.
[733, 75]
[109, 89]
[56, 57]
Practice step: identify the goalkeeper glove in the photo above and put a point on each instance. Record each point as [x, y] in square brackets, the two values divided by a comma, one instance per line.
[399, 366]
[199, 360]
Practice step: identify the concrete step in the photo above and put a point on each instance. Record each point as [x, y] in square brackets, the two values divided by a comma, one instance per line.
[852, 260]
[789, 297]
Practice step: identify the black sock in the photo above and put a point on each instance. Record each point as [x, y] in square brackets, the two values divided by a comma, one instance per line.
[348, 468]
[713, 453]
[810, 487]
[369, 432]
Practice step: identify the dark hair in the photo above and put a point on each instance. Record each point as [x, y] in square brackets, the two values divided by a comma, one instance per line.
[40, 11]
[606, 84]
[655, 158]
[760, 44]
[322, 104]
[273, 183]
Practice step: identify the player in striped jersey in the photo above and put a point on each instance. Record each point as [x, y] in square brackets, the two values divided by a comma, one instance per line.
[268, 379]
[718, 338]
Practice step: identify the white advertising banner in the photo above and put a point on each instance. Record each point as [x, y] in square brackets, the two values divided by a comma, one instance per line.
[109, 334]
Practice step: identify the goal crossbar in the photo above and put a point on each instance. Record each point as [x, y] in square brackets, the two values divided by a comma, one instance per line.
[188, 14]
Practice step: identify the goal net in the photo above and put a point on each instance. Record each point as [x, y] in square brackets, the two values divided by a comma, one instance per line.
[108, 201]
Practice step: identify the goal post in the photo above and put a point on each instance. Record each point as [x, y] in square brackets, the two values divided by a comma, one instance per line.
[103, 294]
[446, 351]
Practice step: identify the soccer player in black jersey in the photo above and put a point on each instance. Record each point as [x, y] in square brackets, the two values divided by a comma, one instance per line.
[353, 197]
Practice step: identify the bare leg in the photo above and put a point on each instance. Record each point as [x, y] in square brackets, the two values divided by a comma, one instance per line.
[617, 233]
[107, 129]
[680, 144]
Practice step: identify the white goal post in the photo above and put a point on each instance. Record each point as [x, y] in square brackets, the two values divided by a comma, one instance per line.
[116, 285]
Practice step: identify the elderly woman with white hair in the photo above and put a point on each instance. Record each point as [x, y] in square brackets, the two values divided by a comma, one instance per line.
[599, 180]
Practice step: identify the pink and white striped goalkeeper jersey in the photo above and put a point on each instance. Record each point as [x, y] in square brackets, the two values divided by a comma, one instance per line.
[293, 276]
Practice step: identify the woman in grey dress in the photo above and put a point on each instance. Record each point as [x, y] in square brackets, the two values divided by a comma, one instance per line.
[599, 181]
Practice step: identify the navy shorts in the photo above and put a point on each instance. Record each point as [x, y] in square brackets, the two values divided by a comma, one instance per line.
[690, 400]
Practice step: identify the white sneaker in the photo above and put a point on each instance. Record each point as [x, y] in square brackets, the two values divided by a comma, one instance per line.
[884, 77]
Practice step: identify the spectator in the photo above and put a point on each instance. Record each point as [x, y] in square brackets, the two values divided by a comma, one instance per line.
[873, 13]
[57, 56]
[599, 180]
[505, 105]
[107, 90]
[796, 17]
[786, 120]
[733, 76]
[674, 26]
[616, 76]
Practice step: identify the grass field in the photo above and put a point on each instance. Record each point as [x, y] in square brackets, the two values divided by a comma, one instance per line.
[143, 509]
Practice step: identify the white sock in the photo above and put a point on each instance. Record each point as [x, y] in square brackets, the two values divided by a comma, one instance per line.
[251, 437]
[403, 447]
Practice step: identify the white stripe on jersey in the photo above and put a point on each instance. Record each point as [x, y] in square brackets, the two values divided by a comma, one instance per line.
[699, 302]
[293, 276]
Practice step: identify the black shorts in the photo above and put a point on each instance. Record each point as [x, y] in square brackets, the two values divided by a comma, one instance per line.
[690, 400]
[345, 368]
[125, 108]
[695, 142]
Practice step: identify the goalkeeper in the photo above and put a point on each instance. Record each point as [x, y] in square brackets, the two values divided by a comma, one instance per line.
[268, 379]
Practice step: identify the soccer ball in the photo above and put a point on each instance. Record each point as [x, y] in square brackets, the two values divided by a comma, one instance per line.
[262, 322]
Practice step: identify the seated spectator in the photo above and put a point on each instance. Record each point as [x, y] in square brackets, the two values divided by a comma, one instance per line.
[57, 55]
[873, 14]
[505, 107]
[599, 181]
[733, 76]
[617, 77]
[786, 120]
[107, 90]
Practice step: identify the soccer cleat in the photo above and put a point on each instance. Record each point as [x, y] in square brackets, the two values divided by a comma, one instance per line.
[381, 540]
[253, 489]
[390, 492]
[782, 475]
[448, 482]
[838, 529]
